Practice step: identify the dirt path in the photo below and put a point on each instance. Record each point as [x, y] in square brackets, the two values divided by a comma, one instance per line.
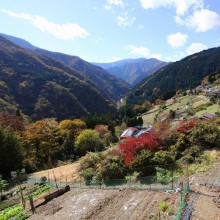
[105, 204]
[206, 188]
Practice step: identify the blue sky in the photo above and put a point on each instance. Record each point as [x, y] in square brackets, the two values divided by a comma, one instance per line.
[110, 30]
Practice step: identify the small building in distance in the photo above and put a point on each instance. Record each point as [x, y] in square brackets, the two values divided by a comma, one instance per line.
[135, 132]
[207, 116]
[129, 132]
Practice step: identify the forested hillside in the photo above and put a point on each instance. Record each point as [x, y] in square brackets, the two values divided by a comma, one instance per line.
[111, 86]
[42, 87]
[181, 75]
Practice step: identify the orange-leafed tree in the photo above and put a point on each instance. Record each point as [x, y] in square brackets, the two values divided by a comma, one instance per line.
[41, 143]
[69, 130]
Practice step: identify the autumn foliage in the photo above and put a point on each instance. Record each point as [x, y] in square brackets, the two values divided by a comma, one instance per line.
[185, 126]
[68, 125]
[132, 146]
[11, 121]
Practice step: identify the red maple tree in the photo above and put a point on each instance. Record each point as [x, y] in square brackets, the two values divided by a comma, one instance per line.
[185, 126]
[133, 145]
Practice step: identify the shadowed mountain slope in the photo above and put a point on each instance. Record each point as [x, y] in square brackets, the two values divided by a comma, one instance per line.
[42, 87]
[111, 86]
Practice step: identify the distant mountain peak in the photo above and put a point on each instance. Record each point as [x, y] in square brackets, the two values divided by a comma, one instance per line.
[133, 70]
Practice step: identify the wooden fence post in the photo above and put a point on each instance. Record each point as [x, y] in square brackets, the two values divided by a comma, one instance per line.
[55, 179]
[31, 203]
[22, 198]
[172, 178]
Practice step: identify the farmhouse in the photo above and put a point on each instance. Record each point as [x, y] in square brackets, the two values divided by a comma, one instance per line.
[207, 116]
[135, 132]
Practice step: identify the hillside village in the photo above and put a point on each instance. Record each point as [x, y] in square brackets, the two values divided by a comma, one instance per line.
[67, 150]
[196, 100]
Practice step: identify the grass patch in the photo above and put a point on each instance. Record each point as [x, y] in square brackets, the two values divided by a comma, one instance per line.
[211, 109]
[149, 118]
[206, 160]
[180, 103]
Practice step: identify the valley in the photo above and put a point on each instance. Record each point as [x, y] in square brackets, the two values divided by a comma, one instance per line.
[60, 124]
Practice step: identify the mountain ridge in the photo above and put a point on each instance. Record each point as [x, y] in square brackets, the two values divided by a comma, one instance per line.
[111, 86]
[180, 75]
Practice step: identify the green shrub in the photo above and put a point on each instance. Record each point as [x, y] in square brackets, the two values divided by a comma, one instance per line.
[43, 179]
[188, 159]
[89, 166]
[143, 158]
[87, 141]
[164, 207]
[205, 135]
[88, 175]
[163, 157]
[133, 177]
[111, 167]
[3, 184]
[163, 176]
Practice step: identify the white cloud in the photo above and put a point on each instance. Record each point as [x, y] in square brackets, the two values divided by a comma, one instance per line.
[152, 4]
[141, 52]
[177, 40]
[124, 20]
[181, 6]
[110, 3]
[202, 20]
[62, 31]
[195, 48]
